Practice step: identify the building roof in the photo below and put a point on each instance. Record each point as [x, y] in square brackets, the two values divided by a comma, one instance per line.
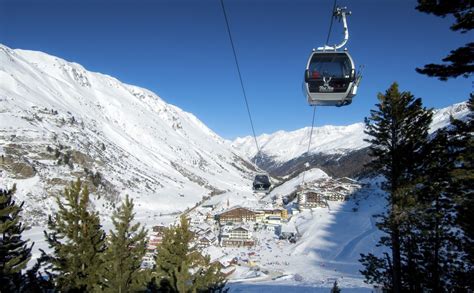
[237, 208]
[228, 229]
[240, 228]
[159, 228]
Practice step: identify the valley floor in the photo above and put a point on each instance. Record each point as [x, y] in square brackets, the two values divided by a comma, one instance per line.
[328, 250]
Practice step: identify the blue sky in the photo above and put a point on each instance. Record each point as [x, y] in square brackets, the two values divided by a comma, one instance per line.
[180, 50]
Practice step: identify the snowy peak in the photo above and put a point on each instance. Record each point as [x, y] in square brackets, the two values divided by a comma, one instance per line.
[60, 121]
[104, 95]
[442, 117]
[283, 146]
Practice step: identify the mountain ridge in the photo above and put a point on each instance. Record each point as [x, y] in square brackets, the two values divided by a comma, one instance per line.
[60, 122]
[338, 150]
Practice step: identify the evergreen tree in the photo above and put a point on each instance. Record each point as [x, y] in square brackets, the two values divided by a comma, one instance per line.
[444, 204]
[181, 268]
[398, 130]
[14, 252]
[461, 192]
[461, 60]
[34, 281]
[450, 263]
[126, 247]
[438, 241]
[77, 241]
[335, 288]
[435, 231]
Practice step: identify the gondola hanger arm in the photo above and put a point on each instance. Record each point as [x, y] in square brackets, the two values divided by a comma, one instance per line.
[339, 13]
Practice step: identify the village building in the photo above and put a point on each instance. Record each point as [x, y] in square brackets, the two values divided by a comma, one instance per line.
[209, 217]
[152, 245]
[228, 271]
[275, 216]
[236, 215]
[276, 212]
[237, 236]
[336, 195]
[197, 220]
[227, 264]
[325, 183]
[259, 216]
[315, 199]
[273, 220]
[201, 228]
[159, 229]
[155, 238]
[311, 199]
[206, 240]
[148, 261]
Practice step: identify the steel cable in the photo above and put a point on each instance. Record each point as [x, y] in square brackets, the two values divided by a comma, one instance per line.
[314, 107]
[241, 80]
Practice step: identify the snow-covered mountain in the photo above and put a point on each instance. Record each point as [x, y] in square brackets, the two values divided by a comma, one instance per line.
[283, 146]
[331, 146]
[59, 122]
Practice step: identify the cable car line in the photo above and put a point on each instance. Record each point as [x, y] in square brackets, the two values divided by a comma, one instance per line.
[310, 137]
[240, 77]
[314, 106]
[330, 24]
[332, 20]
[261, 181]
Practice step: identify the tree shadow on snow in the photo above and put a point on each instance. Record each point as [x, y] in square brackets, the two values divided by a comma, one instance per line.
[280, 288]
[345, 231]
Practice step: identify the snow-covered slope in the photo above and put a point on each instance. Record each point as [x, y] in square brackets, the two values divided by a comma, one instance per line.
[59, 121]
[291, 185]
[283, 146]
[329, 245]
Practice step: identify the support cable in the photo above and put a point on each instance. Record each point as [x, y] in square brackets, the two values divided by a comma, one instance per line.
[241, 80]
[314, 107]
[332, 20]
[310, 137]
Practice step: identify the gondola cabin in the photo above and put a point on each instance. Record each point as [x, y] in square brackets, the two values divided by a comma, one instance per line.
[261, 183]
[330, 78]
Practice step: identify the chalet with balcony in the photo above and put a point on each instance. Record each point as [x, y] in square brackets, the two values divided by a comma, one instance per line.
[206, 240]
[236, 215]
[237, 236]
[337, 195]
[311, 199]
